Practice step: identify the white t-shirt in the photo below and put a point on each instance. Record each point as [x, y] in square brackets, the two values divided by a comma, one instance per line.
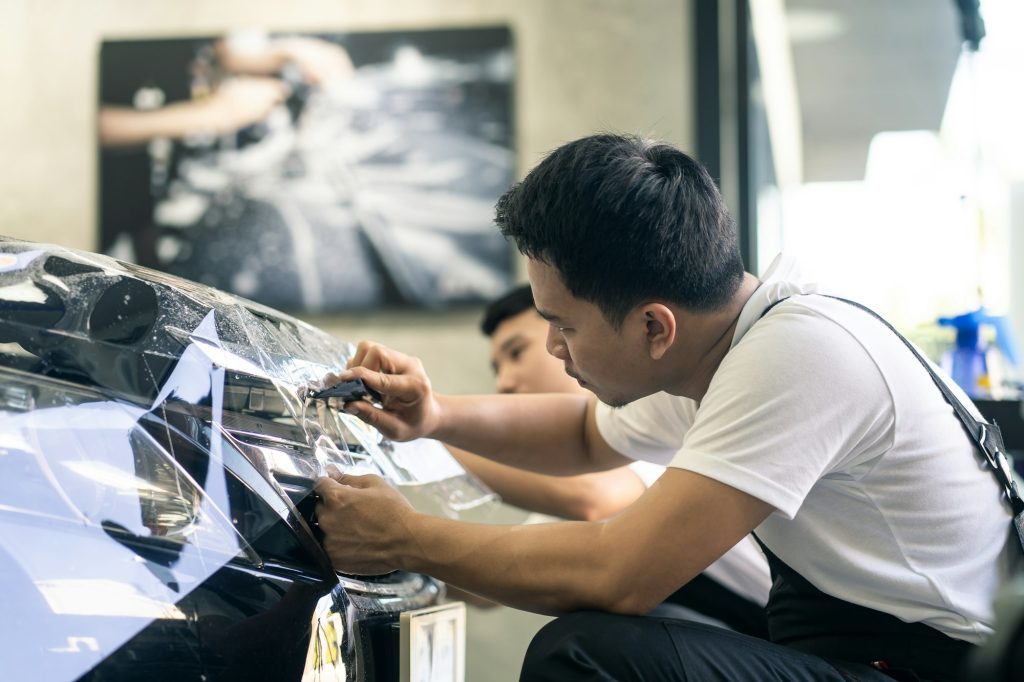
[822, 412]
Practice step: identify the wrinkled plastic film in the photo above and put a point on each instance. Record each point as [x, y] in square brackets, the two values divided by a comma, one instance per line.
[270, 360]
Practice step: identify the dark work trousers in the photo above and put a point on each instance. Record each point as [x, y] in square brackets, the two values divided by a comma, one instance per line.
[707, 596]
[590, 645]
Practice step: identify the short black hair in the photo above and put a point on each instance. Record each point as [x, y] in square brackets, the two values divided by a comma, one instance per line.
[507, 305]
[625, 220]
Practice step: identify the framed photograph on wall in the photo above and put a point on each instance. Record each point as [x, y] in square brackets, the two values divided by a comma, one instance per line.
[313, 173]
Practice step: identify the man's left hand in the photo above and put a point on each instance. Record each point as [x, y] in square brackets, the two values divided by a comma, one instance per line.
[365, 523]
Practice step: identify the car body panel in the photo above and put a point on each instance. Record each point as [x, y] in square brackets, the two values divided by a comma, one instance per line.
[157, 454]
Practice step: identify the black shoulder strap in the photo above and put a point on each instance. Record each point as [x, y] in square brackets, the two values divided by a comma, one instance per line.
[986, 436]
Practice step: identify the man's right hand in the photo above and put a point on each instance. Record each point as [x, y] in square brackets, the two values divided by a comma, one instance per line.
[409, 408]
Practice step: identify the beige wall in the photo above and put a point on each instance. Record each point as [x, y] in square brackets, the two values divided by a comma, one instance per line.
[584, 65]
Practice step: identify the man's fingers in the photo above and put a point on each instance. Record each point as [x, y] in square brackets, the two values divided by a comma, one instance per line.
[383, 359]
[402, 388]
[337, 479]
[332, 378]
[390, 425]
[325, 484]
[359, 356]
[372, 356]
[380, 383]
[360, 481]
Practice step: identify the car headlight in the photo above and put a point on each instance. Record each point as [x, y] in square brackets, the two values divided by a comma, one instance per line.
[68, 453]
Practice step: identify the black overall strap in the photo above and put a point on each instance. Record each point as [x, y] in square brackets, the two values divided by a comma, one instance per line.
[986, 436]
[804, 618]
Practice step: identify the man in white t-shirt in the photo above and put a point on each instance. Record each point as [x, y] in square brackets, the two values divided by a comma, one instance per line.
[806, 421]
[732, 591]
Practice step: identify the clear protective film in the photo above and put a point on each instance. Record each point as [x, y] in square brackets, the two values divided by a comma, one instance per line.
[157, 438]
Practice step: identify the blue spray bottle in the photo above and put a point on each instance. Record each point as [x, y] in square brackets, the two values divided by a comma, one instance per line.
[968, 362]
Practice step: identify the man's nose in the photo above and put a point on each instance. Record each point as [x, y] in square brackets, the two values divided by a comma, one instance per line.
[505, 381]
[555, 344]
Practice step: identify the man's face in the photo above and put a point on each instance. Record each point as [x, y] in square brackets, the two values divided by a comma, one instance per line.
[521, 361]
[612, 363]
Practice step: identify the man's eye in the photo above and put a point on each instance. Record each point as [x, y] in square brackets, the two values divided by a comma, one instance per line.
[515, 353]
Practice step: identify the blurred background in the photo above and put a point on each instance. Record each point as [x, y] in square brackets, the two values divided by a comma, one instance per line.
[879, 141]
[235, 160]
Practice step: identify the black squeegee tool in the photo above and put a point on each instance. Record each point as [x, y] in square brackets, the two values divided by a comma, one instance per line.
[347, 391]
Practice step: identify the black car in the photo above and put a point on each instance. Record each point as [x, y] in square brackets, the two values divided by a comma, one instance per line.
[158, 448]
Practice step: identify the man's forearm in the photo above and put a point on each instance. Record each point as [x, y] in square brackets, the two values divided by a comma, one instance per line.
[587, 497]
[545, 568]
[547, 433]
[627, 564]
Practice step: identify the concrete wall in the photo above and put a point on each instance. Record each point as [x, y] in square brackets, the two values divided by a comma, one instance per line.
[583, 65]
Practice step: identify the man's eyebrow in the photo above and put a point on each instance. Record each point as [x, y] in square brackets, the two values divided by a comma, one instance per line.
[509, 342]
[550, 317]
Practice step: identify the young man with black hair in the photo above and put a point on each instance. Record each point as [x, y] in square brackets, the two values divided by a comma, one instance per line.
[776, 409]
[521, 364]
[732, 591]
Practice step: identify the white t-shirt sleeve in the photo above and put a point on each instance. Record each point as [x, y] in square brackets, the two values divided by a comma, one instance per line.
[783, 410]
[650, 429]
[647, 472]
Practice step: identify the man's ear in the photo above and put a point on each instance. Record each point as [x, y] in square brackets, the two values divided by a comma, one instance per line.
[660, 332]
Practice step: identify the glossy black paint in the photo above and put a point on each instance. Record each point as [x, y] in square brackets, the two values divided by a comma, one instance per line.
[241, 625]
